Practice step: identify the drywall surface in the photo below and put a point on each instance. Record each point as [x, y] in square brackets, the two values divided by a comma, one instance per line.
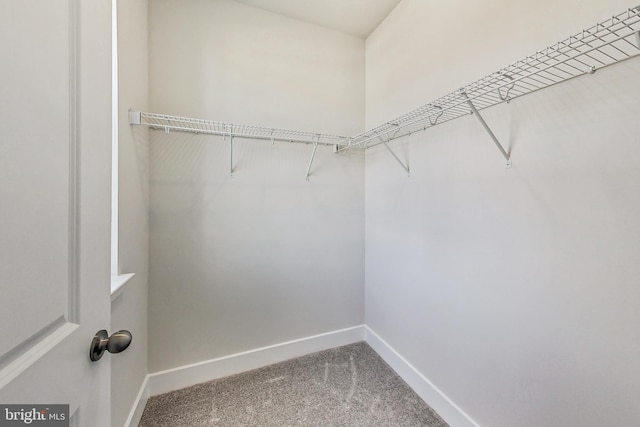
[264, 256]
[514, 291]
[129, 310]
[220, 60]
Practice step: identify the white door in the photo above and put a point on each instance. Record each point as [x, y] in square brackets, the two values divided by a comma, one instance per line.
[55, 96]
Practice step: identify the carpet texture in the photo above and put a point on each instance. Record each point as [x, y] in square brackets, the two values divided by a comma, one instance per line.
[348, 386]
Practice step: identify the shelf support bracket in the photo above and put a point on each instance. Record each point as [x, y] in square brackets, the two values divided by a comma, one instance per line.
[488, 129]
[313, 154]
[231, 155]
[230, 151]
[406, 168]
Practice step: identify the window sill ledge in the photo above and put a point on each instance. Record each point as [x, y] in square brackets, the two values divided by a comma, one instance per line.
[117, 284]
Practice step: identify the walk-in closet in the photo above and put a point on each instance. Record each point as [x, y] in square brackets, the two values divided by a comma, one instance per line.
[337, 213]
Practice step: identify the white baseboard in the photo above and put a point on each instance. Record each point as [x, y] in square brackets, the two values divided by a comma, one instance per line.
[435, 398]
[138, 406]
[184, 376]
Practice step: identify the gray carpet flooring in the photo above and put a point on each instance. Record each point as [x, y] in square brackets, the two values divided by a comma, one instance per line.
[348, 386]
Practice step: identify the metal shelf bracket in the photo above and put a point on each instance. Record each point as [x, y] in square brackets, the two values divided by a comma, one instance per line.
[230, 134]
[405, 167]
[313, 155]
[231, 155]
[488, 129]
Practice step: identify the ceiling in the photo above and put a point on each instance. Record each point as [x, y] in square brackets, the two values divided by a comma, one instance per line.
[356, 17]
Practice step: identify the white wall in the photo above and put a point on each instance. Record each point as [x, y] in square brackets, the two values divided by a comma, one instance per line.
[262, 257]
[221, 60]
[514, 291]
[129, 310]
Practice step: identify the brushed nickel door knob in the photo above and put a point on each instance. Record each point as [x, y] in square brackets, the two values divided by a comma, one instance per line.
[101, 342]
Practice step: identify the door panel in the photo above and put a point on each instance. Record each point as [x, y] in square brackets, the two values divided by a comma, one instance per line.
[55, 132]
[35, 164]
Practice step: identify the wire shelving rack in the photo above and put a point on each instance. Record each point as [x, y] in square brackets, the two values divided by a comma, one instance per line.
[210, 127]
[603, 44]
[606, 43]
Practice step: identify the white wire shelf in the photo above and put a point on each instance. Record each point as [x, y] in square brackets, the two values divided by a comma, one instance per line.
[210, 127]
[610, 41]
[606, 43]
